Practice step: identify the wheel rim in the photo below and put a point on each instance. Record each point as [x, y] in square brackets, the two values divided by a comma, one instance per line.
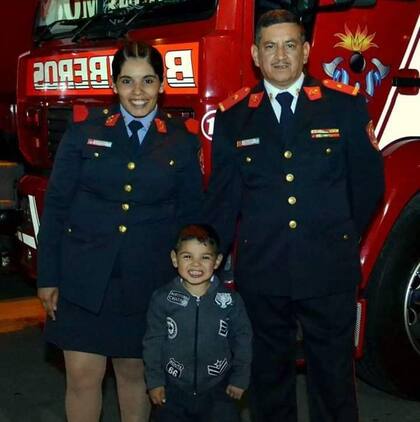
[412, 308]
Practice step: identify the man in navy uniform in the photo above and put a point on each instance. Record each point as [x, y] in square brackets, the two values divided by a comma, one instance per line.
[297, 162]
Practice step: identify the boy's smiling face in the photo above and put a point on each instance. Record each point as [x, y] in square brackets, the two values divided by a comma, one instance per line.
[195, 262]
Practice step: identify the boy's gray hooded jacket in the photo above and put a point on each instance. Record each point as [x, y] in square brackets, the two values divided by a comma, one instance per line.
[196, 342]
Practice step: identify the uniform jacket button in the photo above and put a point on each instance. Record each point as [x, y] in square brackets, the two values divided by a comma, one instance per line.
[292, 224]
[328, 151]
[96, 154]
[122, 228]
[290, 177]
[288, 154]
[128, 188]
[248, 159]
[131, 165]
[125, 207]
[291, 200]
[346, 236]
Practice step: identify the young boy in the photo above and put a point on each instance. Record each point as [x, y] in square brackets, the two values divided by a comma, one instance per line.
[197, 347]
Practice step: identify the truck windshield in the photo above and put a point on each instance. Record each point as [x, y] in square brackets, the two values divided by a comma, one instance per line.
[112, 18]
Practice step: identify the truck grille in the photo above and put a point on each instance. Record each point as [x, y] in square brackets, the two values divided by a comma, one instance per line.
[57, 119]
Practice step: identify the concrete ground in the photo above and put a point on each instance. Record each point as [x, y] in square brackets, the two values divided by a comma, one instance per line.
[32, 379]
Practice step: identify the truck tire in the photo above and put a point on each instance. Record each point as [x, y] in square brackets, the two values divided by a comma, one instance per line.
[391, 359]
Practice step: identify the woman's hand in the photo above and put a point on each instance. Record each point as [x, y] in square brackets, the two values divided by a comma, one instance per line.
[157, 395]
[234, 392]
[49, 298]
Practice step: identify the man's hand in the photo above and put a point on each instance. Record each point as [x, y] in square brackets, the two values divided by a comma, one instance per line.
[234, 392]
[49, 298]
[157, 395]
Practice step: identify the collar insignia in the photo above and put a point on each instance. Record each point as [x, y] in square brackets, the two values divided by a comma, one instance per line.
[112, 120]
[313, 92]
[160, 125]
[255, 99]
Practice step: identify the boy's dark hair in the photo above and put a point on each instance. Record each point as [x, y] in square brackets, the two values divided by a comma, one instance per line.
[273, 17]
[137, 50]
[203, 233]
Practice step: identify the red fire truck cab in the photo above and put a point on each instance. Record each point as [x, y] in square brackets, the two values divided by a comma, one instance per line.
[373, 44]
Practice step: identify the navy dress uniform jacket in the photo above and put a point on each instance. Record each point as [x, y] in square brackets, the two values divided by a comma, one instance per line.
[111, 200]
[303, 200]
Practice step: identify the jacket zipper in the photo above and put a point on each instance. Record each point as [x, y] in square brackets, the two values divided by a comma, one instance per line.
[197, 301]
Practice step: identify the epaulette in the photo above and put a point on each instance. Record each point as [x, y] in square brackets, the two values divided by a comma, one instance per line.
[338, 86]
[313, 92]
[160, 125]
[112, 120]
[192, 125]
[80, 113]
[233, 99]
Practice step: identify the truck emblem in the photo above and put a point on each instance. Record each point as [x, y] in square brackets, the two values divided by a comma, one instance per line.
[357, 43]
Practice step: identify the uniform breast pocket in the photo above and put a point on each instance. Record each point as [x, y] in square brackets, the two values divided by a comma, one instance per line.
[255, 165]
[97, 163]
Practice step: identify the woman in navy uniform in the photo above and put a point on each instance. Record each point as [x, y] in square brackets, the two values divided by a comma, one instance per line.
[123, 182]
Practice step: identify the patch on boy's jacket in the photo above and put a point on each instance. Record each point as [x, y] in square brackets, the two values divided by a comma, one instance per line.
[174, 368]
[370, 130]
[234, 99]
[217, 368]
[247, 142]
[223, 299]
[112, 120]
[161, 126]
[313, 92]
[255, 99]
[178, 298]
[172, 328]
[99, 143]
[338, 86]
[223, 328]
[325, 133]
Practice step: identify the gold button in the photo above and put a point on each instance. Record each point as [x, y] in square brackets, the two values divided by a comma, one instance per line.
[291, 200]
[96, 154]
[172, 163]
[122, 229]
[125, 206]
[131, 165]
[290, 177]
[328, 151]
[346, 236]
[292, 224]
[69, 230]
[248, 159]
[105, 111]
[128, 188]
[288, 154]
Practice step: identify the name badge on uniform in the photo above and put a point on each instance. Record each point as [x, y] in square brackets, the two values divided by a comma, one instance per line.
[247, 142]
[325, 133]
[99, 143]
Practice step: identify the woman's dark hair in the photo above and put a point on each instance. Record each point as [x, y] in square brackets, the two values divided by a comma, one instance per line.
[137, 50]
[203, 233]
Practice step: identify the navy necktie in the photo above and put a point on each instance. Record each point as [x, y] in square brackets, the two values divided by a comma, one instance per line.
[285, 100]
[135, 126]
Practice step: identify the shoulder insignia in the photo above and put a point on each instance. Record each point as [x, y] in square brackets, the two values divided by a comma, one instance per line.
[338, 86]
[255, 99]
[313, 92]
[233, 99]
[112, 120]
[161, 126]
[80, 113]
[370, 130]
[192, 125]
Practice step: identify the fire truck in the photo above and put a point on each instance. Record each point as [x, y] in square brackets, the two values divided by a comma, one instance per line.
[371, 44]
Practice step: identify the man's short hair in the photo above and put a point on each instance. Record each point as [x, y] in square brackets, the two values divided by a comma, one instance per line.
[273, 17]
[203, 233]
